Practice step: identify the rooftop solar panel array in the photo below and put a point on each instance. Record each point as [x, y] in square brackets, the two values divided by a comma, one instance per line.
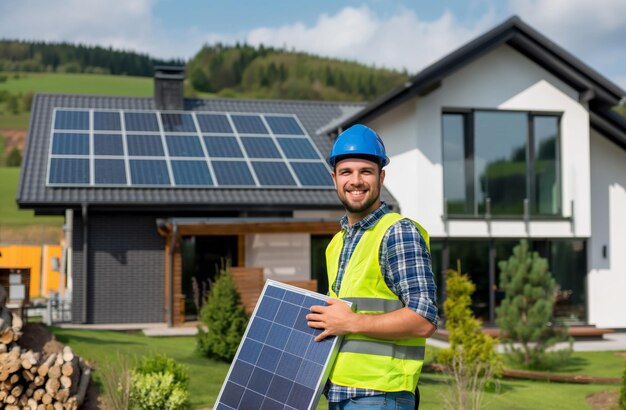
[278, 364]
[124, 148]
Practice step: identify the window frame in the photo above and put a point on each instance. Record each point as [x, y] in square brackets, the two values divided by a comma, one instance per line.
[469, 169]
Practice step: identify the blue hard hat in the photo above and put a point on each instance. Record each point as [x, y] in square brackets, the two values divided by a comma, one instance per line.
[358, 141]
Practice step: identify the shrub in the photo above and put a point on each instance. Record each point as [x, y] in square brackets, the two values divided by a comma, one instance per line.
[160, 363]
[471, 359]
[157, 391]
[158, 382]
[225, 318]
[525, 314]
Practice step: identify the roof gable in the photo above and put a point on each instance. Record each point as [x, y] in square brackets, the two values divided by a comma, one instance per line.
[594, 89]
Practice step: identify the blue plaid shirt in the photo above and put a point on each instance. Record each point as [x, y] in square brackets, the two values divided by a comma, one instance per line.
[405, 264]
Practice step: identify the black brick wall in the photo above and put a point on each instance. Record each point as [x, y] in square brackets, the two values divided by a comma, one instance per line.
[126, 269]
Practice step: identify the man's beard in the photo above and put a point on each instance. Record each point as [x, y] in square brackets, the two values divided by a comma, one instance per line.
[358, 208]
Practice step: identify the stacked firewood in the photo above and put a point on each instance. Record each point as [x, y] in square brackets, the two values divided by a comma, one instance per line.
[35, 380]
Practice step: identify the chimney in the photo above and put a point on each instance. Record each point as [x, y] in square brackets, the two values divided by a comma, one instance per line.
[168, 87]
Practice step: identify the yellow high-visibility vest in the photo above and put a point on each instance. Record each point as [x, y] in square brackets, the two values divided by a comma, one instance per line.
[364, 362]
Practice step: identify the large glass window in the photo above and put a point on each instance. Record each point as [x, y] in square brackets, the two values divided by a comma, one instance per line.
[479, 259]
[501, 163]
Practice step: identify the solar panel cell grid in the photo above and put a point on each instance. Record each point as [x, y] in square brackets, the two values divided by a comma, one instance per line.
[267, 150]
[149, 172]
[71, 120]
[249, 124]
[108, 144]
[232, 173]
[69, 171]
[214, 123]
[278, 365]
[284, 125]
[70, 144]
[145, 145]
[260, 147]
[191, 173]
[298, 148]
[312, 173]
[273, 174]
[141, 121]
[109, 171]
[106, 121]
[175, 122]
[222, 147]
[184, 146]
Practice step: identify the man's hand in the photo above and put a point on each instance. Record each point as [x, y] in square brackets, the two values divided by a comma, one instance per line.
[336, 319]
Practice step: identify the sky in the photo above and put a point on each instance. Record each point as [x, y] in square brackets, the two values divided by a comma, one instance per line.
[400, 34]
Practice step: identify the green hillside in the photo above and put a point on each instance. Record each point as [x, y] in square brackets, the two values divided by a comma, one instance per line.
[16, 90]
[77, 84]
[245, 71]
[9, 213]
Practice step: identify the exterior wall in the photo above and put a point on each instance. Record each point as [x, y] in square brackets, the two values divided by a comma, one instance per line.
[607, 275]
[502, 79]
[126, 268]
[43, 279]
[282, 256]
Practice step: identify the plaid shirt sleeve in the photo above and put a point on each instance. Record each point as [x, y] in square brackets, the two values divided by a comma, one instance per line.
[405, 263]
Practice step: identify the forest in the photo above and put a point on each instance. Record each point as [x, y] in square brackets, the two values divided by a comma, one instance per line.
[238, 70]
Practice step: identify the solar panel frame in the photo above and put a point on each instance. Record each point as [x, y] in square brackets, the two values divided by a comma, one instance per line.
[286, 374]
[218, 137]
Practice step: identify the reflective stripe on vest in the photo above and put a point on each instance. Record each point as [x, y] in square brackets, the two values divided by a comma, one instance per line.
[375, 304]
[383, 349]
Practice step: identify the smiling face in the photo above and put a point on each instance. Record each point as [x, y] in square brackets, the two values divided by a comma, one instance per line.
[358, 183]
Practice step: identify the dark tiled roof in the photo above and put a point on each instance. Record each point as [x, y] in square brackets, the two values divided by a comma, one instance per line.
[33, 192]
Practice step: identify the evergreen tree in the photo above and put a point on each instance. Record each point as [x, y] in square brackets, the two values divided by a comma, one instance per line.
[14, 159]
[525, 315]
[225, 318]
[471, 359]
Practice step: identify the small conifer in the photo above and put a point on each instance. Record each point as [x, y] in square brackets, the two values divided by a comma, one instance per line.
[525, 314]
[225, 318]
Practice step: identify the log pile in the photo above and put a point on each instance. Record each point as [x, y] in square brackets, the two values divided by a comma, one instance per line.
[36, 380]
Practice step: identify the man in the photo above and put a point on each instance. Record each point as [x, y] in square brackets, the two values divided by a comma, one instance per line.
[380, 262]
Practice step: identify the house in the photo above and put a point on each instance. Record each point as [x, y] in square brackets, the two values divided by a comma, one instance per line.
[511, 137]
[30, 271]
[159, 192]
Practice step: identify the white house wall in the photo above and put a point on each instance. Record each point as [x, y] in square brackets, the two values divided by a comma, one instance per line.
[283, 256]
[502, 79]
[606, 283]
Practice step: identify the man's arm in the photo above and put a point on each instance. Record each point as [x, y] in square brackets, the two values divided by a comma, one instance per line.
[338, 319]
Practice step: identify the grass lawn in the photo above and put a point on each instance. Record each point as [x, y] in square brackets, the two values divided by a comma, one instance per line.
[16, 121]
[9, 212]
[206, 376]
[78, 84]
[102, 347]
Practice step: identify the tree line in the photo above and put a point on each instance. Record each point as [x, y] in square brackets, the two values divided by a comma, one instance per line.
[239, 70]
[16, 55]
[264, 72]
